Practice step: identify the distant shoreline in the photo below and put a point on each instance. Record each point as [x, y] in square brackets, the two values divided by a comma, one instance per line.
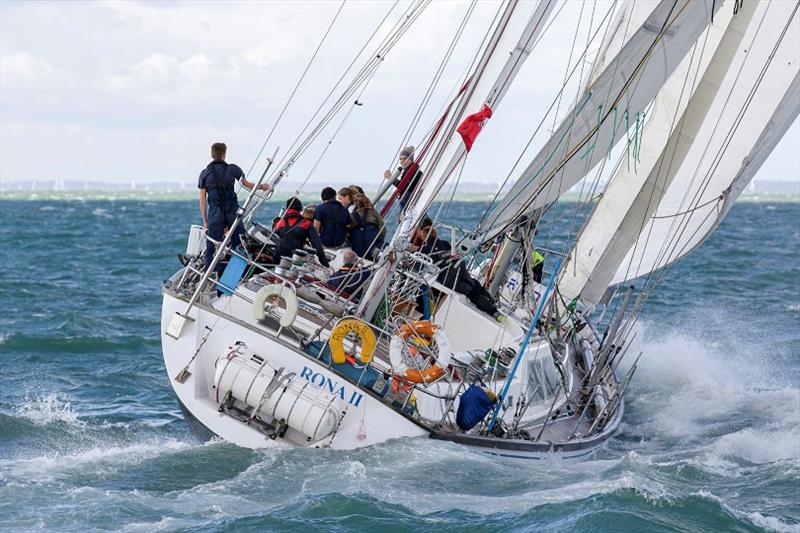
[167, 196]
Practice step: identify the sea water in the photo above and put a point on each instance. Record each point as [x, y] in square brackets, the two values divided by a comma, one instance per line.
[91, 438]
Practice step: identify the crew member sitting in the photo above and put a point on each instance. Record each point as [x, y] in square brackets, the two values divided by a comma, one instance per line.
[350, 277]
[294, 229]
[331, 219]
[453, 273]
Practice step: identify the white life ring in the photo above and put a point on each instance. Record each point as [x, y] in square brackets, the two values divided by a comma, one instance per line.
[283, 292]
[436, 370]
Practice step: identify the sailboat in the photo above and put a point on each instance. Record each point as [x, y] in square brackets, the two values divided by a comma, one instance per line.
[683, 102]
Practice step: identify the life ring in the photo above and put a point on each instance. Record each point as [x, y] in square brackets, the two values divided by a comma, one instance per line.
[427, 331]
[283, 292]
[364, 333]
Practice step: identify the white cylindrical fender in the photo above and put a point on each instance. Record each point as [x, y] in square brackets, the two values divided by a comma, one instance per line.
[249, 378]
[283, 292]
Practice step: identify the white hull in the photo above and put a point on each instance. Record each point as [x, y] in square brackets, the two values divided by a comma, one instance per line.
[366, 418]
[367, 421]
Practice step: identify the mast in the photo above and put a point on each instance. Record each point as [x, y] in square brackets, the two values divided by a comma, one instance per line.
[450, 147]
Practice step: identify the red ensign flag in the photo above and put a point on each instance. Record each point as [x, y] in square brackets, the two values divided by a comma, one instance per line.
[471, 127]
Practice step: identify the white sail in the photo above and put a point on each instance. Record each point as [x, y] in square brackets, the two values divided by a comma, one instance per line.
[600, 118]
[756, 104]
[630, 15]
[635, 189]
[517, 31]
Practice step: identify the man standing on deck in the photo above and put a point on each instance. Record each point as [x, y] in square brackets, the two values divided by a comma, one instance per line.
[218, 201]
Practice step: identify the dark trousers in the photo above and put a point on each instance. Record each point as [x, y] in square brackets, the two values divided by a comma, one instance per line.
[460, 281]
[479, 296]
[218, 220]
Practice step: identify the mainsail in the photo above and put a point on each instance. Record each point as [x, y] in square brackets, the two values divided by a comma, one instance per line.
[599, 119]
[634, 191]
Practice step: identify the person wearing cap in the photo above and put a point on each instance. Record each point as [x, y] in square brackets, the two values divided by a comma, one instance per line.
[294, 229]
[407, 176]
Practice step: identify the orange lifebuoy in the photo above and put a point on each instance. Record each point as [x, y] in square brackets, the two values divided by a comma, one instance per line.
[425, 331]
[421, 328]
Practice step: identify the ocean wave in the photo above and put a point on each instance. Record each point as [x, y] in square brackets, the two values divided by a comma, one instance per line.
[691, 393]
[102, 460]
[48, 409]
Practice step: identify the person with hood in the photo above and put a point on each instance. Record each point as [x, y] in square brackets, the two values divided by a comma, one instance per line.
[294, 229]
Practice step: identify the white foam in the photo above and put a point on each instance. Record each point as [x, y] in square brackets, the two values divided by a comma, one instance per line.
[770, 523]
[44, 410]
[44, 468]
[759, 446]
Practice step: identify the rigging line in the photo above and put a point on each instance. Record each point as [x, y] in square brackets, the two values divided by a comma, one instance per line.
[460, 86]
[397, 30]
[364, 76]
[629, 80]
[569, 60]
[485, 56]
[330, 141]
[683, 224]
[656, 276]
[714, 200]
[297, 86]
[436, 78]
[577, 96]
[538, 128]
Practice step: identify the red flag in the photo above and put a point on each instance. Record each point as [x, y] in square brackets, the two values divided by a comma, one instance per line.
[471, 127]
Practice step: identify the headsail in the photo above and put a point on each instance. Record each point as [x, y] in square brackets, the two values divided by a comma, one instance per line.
[598, 120]
[757, 103]
[635, 190]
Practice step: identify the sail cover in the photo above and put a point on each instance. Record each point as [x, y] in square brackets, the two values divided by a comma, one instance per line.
[757, 102]
[598, 119]
[634, 191]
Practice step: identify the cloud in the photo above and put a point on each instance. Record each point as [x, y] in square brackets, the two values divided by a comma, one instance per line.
[23, 68]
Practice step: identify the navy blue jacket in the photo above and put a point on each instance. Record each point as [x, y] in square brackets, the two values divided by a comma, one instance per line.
[334, 218]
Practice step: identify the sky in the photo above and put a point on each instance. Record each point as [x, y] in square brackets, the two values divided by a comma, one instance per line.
[137, 91]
